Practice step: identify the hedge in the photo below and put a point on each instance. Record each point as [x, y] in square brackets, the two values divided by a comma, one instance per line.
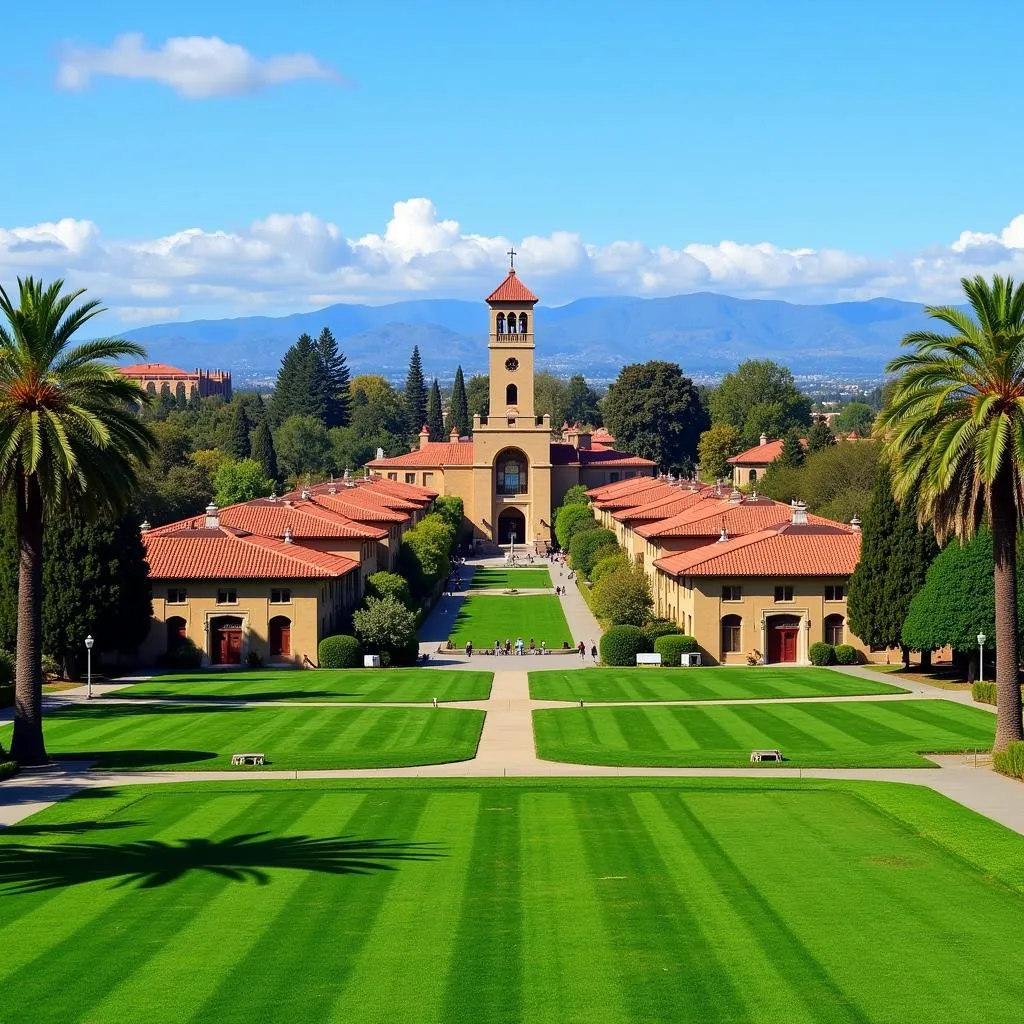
[984, 693]
[673, 647]
[846, 654]
[621, 644]
[822, 654]
[8, 769]
[1010, 761]
[584, 546]
[659, 627]
[340, 651]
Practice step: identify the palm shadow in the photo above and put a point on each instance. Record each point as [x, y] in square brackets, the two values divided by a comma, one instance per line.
[244, 858]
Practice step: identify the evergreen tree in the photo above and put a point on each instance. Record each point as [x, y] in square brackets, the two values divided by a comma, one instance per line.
[894, 558]
[458, 413]
[301, 388]
[415, 394]
[263, 451]
[478, 395]
[435, 417]
[792, 454]
[819, 436]
[336, 380]
[195, 401]
[238, 443]
[581, 403]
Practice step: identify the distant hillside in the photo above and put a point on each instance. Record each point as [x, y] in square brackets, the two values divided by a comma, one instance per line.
[703, 332]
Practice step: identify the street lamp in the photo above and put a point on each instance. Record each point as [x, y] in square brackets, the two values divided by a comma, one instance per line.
[512, 537]
[981, 657]
[88, 666]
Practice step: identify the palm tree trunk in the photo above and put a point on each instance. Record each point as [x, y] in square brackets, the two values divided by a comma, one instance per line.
[1004, 541]
[27, 747]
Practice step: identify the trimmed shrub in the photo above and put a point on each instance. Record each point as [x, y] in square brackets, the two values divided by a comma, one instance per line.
[624, 597]
[341, 650]
[389, 584]
[607, 565]
[584, 546]
[659, 627]
[567, 517]
[387, 627]
[822, 654]
[846, 654]
[673, 646]
[1010, 761]
[984, 693]
[621, 644]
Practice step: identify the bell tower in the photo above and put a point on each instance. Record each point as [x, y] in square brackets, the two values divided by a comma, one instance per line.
[511, 346]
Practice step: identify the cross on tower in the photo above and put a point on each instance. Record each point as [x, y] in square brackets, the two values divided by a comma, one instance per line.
[511, 254]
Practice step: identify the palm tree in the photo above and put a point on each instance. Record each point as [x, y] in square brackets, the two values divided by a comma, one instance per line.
[954, 427]
[70, 437]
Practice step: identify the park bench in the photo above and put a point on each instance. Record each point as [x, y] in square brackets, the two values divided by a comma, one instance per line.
[766, 755]
[247, 759]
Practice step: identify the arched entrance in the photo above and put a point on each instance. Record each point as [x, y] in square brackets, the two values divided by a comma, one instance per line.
[226, 640]
[783, 636]
[177, 633]
[511, 526]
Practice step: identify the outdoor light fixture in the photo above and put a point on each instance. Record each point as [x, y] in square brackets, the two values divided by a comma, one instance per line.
[88, 666]
[981, 657]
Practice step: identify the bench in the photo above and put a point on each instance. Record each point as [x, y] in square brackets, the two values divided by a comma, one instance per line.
[765, 755]
[247, 759]
[648, 659]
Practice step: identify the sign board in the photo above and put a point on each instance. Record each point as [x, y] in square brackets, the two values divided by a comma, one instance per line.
[648, 659]
[371, 661]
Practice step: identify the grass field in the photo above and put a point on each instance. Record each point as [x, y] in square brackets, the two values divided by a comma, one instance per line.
[851, 734]
[614, 684]
[501, 579]
[182, 737]
[582, 903]
[489, 617]
[369, 685]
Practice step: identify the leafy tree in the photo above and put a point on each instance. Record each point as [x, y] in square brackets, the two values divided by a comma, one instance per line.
[336, 380]
[623, 598]
[239, 444]
[820, 436]
[69, 437]
[303, 447]
[585, 547]
[716, 446]
[792, 453]
[390, 584]
[415, 394]
[478, 395]
[760, 396]
[576, 495]
[655, 412]
[954, 432]
[451, 509]
[166, 497]
[263, 451]
[608, 564]
[581, 403]
[379, 423]
[551, 396]
[301, 388]
[385, 625]
[567, 520]
[856, 417]
[240, 481]
[370, 388]
[435, 415]
[173, 445]
[424, 556]
[458, 413]
[894, 557]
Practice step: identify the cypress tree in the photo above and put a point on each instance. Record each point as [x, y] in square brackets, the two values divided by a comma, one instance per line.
[238, 442]
[264, 453]
[458, 413]
[819, 436]
[792, 453]
[415, 394]
[337, 403]
[301, 387]
[435, 418]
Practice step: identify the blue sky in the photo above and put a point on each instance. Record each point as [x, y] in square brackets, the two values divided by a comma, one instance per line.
[622, 134]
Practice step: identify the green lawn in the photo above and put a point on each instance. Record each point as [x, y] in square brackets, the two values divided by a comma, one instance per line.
[370, 685]
[183, 737]
[850, 734]
[574, 902]
[614, 684]
[489, 617]
[502, 579]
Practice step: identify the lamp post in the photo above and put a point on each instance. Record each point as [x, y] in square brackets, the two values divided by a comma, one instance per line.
[981, 657]
[512, 537]
[88, 666]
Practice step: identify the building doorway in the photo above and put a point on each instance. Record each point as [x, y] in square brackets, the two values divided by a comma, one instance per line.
[280, 636]
[226, 640]
[511, 527]
[783, 633]
[177, 633]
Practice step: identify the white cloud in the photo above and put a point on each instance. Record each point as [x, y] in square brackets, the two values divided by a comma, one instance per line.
[289, 262]
[197, 67]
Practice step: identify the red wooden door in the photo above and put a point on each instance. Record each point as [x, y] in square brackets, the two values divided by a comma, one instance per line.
[229, 650]
[787, 644]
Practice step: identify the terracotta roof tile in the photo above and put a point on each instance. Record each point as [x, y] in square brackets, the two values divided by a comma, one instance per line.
[620, 487]
[153, 370]
[761, 454]
[667, 506]
[708, 519]
[512, 290]
[654, 490]
[563, 454]
[435, 455]
[422, 495]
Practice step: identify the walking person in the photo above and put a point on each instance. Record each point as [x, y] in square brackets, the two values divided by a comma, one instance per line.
[469, 648]
[582, 648]
[593, 651]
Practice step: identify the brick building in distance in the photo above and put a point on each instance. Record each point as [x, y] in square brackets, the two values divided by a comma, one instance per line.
[180, 383]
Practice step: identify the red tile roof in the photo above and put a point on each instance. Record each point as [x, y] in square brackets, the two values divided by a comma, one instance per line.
[567, 455]
[654, 490]
[601, 436]
[153, 370]
[228, 554]
[751, 515]
[360, 513]
[421, 495]
[667, 506]
[512, 290]
[761, 454]
[435, 455]
[781, 551]
[620, 487]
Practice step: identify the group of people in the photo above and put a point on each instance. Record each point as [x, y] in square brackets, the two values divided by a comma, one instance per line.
[519, 559]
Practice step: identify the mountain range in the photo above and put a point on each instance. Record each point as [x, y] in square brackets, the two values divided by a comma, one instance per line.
[704, 332]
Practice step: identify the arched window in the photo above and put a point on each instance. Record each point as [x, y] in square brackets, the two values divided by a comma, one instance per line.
[752, 475]
[177, 633]
[510, 472]
[280, 636]
[511, 395]
[522, 323]
[151, 388]
[179, 392]
[501, 323]
[732, 634]
[835, 629]
[511, 323]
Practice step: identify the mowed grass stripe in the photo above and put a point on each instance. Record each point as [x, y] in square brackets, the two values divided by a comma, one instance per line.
[316, 940]
[562, 923]
[486, 987]
[664, 967]
[708, 683]
[838, 734]
[503, 579]
[484, 618]
[410, 952]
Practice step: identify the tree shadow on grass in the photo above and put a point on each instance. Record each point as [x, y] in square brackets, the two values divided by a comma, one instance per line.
[66, 828]
[138, 760]
[244, 858]
[262, 696]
